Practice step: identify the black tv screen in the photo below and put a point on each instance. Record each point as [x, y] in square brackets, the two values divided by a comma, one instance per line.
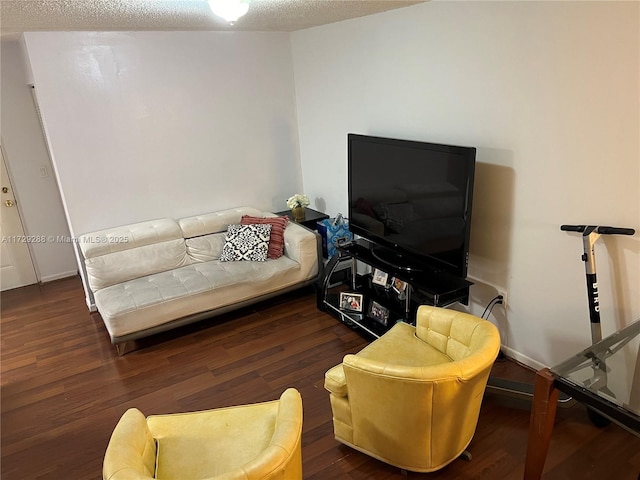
[413, 199]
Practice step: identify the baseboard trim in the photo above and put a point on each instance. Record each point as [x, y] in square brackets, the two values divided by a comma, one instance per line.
[58, 276]
[523, 359]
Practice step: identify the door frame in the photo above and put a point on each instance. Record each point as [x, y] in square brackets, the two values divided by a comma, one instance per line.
[34, 264]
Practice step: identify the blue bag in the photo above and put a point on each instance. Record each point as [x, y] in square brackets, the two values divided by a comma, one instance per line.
[333, 232]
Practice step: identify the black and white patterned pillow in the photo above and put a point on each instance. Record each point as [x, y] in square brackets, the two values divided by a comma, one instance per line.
[246, 242]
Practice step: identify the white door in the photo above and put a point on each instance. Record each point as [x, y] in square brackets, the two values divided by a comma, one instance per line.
[16, 266]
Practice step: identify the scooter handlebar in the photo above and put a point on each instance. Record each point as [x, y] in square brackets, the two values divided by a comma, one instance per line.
[601, 230]
[573, 228]
[615, 231]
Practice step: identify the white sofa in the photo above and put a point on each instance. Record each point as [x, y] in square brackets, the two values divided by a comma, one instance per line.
[153, 276]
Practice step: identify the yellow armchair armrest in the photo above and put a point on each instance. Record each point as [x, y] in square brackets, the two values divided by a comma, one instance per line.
[131, 453]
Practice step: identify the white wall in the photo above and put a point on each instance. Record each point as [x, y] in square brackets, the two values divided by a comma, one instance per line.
[153, 124]
[549, 94]
[25, 151]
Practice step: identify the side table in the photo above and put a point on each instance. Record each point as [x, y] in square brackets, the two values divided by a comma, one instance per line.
[311, 218]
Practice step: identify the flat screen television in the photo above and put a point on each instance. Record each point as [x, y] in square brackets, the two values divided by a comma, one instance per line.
[412, 200]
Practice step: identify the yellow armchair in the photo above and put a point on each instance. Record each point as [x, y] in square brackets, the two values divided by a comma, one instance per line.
[257, 441]
[412, 397]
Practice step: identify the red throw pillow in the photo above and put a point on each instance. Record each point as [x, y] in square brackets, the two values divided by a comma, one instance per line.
[276, 242]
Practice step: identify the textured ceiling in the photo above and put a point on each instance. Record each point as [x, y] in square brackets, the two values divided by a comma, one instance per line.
[18, 16]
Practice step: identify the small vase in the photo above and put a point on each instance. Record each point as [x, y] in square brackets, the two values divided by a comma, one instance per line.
[298, 213]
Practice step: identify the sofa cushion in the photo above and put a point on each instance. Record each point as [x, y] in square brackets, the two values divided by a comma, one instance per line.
[120, 267]
[246, 242]
[132, 251]
[126, 237]
[147, 302]
[214, 222]
[206, 247]
[278, 224]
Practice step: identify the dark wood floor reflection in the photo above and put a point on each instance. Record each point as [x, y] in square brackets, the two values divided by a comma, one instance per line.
[64, 388]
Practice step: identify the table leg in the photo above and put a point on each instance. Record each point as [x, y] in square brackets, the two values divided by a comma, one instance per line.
[543, 415]
[634, 396]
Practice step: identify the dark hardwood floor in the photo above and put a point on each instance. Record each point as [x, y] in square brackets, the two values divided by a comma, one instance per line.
[64, 388]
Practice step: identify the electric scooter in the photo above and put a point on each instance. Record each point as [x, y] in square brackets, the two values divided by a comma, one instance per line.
[590, 234]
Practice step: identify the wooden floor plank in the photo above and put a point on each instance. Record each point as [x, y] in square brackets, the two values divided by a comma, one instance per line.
[64, 387]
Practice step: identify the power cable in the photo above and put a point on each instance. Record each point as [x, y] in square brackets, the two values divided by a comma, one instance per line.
[497, 300]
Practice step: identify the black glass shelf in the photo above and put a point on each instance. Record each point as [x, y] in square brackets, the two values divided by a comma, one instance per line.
[428, 278]
[425, 286]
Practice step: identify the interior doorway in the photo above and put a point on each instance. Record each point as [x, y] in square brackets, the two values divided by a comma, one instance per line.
[16, 265]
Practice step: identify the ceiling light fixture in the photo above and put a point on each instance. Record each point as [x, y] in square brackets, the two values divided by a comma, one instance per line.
[230, 10]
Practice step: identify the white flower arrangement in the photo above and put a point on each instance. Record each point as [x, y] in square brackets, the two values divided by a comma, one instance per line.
[298, 200]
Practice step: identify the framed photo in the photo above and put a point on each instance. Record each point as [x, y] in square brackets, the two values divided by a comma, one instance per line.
[351, 301]
[379, 313]
[380, 277]
[399, 286]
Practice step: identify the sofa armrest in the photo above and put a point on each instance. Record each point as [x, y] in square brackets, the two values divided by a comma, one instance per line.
[304, 247]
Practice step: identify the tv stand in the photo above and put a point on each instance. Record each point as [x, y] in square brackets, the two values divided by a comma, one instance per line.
[424, 286]
[394, 260]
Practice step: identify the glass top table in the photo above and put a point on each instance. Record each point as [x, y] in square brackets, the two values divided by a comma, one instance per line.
[605, 377]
